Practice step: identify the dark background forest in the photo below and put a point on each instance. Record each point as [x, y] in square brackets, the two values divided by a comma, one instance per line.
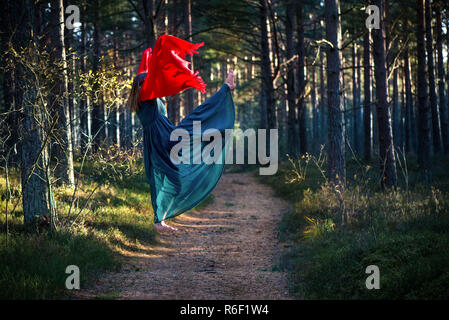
[362, 116]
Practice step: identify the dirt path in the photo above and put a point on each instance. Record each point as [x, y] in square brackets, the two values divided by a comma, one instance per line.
[225, 251]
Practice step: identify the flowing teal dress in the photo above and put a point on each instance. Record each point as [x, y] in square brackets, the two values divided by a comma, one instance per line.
[177, 188]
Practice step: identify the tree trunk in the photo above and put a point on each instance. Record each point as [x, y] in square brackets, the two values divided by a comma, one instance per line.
[98, 113]
[386, 147]
[322, 101]
[291, 94]
[149, 23]
[267, 77]
[314, 106]
[368, 141]
[84, 103]
[336, 147]
[395, 107]
[188, 36]
[408, 103]
[355, 99]
[441, 77]
[63, 151]
[173, 102]
[34, 189]
[431, 73]
[300, 79]
[423, 108]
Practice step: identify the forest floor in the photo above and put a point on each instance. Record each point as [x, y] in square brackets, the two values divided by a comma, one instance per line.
[226, 250]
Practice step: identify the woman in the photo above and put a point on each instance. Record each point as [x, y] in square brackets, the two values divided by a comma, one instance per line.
[176, 188]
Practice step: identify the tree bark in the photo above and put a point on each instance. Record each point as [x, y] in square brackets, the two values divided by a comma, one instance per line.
[423, 107]
[322, 101]
[98, 111]
[188, 36]
[431, 74]
[386, 147]
[300, 79]
[63, 151]
[34, 189]
[355, 99]
[368, 141]
[149, 23]
[395, 107]
[267, 77]
[336, 147]
[291, 93]
[84, 103]
[441, 77]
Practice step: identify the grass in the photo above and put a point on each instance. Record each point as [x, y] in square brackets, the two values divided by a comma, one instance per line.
[117, 218]
[405, 232]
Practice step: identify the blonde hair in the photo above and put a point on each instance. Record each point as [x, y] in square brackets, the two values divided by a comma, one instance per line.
[133, 99]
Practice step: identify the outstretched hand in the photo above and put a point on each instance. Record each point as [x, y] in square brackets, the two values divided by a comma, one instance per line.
[230, 79]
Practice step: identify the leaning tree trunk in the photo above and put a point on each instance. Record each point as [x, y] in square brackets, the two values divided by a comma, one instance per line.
[423, 107]
[60, 97]
[291, 94]
[336, 149]
[441, 75]
[386, 147]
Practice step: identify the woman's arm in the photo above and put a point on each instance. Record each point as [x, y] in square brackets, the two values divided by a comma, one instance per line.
[230, 79]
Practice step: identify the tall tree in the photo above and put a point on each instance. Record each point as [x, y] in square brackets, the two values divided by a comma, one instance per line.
[368, 141]
[189, 100]
[355, 98]
[60, 97]
[173, 101]
[267, 76]
[84, 103]
[149, 23]
[386, 147]
[291, 93]
[423, 107]
[322, 101]
[33, 149]
[431, 74]
[408, 102]
[300, 78]
[441, 77]
[98, 110]
[336, 148]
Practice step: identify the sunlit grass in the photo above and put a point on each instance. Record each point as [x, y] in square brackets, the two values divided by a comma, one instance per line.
[118, 218]
[405, 232]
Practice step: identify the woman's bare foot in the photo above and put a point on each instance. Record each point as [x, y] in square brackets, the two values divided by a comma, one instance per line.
[162, 227]
[230, 79]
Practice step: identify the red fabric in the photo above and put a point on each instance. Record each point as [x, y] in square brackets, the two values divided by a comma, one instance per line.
[145, 62]
[168, 72]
